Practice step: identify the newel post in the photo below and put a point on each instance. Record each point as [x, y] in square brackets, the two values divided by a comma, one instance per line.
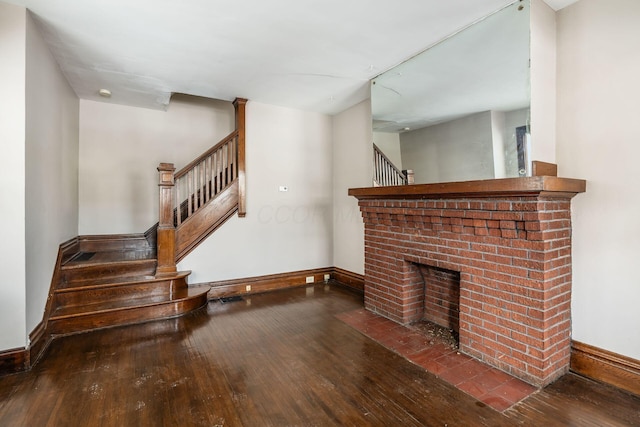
[410, 176]
[166, 228]
[239, 104]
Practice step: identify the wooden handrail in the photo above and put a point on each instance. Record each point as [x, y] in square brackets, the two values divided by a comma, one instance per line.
[182, 172]
[385, 172]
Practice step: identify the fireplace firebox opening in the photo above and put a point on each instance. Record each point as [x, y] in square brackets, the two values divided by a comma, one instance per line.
[440, 319]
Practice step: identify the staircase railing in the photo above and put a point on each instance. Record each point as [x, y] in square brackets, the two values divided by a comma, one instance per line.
[205, 177]
[386, 173]
[201, 196]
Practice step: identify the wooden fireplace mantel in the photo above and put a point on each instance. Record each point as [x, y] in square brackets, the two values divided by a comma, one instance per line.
[545, 186]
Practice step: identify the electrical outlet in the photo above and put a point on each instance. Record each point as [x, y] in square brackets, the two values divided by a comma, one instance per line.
[247, 288]
[309, 279]
[327, 277]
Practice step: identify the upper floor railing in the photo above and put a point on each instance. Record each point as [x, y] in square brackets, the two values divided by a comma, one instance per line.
[385, 173]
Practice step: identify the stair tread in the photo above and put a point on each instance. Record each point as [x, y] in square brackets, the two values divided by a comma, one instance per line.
[106, 282]
[128, 303]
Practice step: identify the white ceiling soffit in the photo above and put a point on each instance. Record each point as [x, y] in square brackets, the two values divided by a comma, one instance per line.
[315, 55]
[559, 4]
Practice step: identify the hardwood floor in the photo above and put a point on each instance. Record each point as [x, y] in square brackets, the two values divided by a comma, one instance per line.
[277, 359]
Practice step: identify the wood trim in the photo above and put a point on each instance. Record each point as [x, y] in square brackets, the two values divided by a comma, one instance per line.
[548, 186]
[40, 334]
[271, 282]
[240, 106]
[151, 235]
[605, 366]
[39, 342]
[68, 249]
[539, 168]
[22, 359]
[40, 338]
[108, 242]
[205, 221]
[348, 278]
[13, 361]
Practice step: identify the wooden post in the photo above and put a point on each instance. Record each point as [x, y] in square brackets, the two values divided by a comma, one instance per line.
[166, 229]
[239, 104]
[410, 176]
[539, 168]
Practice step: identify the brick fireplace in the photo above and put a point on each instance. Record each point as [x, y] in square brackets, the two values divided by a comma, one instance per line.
[492, 256]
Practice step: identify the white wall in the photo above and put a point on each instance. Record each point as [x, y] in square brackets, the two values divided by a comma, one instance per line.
[52, 121]
[598, 87]
[352, 168]
[282, 231]
[121, 147]
[12, 203]
[389, 143]
[457, 150]
[543, 82]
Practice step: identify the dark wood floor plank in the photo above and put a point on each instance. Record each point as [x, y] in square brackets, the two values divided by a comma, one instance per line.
[278, 359]
[575, 400]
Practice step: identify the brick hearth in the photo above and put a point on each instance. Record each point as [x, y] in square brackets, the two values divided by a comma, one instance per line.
[510, 242]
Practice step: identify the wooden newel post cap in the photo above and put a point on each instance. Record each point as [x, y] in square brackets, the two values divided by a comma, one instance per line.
[166, 173]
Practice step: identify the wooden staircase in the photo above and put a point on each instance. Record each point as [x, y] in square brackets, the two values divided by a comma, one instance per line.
[107, 281]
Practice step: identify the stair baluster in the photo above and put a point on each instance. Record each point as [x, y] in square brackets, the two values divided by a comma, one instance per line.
[386, 173]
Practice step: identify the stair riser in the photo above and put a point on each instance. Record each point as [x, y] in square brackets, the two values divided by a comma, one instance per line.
[91, 244]
[125, 316]
[82, 296]
[107, 271]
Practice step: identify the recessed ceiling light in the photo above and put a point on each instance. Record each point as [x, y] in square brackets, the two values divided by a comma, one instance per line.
[105, 93]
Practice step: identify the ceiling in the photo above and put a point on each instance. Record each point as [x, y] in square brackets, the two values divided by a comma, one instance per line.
[315, 55]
